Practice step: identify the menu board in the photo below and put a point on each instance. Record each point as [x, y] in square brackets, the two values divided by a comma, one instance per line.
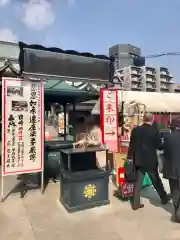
[22, 126]
[109, 117]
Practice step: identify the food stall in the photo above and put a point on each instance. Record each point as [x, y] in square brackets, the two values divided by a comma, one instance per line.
[64, 95]
[131, 107]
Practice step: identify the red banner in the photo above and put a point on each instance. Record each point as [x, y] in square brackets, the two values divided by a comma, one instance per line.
[109, 117]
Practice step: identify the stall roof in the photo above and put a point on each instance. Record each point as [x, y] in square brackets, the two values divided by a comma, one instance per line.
[59, 85]
[155, 102]
[42, 61]
[23, 45]
[58, 91]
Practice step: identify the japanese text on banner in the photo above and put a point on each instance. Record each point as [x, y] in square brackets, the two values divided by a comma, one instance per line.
[109, 111]
[22, 127]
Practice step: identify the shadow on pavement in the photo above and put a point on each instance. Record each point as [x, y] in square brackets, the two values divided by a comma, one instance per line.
[26, 182]
[151, 194]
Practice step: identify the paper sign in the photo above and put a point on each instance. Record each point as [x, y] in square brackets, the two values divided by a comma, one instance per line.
[22, 126]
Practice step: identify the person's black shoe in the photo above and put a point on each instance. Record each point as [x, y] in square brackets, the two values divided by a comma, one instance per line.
[134, 208]
[174, 218]
[166, 199]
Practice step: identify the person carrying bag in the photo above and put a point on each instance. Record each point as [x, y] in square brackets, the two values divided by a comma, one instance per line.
[144, 142]
[171, 165]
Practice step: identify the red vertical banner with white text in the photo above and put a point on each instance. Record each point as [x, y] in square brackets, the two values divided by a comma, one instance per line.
[109, 117]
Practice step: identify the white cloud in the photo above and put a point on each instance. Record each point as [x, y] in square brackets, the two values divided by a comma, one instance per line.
[37, 14]
[7, 35]
[3, 2]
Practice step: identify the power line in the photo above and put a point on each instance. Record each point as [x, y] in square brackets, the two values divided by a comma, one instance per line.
[148, 56]
[163, 54]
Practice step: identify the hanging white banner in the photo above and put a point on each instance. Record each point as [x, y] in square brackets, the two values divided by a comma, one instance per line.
[22, 126]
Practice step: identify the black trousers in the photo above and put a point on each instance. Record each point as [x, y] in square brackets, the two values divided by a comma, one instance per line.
[175, 190]
[156, 181]
[174, 185]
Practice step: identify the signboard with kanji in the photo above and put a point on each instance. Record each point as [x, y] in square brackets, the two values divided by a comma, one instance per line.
[109, 117]
[22, 126]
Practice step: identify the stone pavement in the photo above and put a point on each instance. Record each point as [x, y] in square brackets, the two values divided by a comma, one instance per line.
[41, 217]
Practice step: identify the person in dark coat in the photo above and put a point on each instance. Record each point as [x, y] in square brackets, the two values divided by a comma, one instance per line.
[144, 142]
[171, 165]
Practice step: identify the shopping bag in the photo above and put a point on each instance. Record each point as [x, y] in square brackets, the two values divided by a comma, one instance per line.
[130, 171]
[146, 182]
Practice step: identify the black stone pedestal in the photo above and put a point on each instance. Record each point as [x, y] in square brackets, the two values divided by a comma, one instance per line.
[84, 190]
[83, 185]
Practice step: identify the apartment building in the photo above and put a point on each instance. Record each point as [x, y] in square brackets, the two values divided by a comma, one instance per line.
[146, 78]
[133, 73]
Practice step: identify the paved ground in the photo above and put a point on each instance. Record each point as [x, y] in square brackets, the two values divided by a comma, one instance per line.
[41, 217]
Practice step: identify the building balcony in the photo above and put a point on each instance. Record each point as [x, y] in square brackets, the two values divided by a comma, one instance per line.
[166, 80]
[148, 70]
[135, 74]
[166, 76]
[149, 86]
[165, 87]
[134, 79]
[164, 70]
[163, 80]
[150, 79]
[175, 87]
[150, 89]
[136, 87]
[164, 73]
[165, 90]
[150, 73]
[135, 70]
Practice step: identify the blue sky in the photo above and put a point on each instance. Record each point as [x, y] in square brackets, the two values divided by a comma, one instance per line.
[95, 25]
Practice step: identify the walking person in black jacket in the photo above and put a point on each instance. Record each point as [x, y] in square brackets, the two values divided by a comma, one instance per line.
[144, 142]
[171, 165]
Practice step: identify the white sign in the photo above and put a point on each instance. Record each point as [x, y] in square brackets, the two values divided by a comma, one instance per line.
[22, 126]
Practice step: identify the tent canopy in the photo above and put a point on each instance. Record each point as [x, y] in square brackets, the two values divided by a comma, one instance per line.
[154, 101]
